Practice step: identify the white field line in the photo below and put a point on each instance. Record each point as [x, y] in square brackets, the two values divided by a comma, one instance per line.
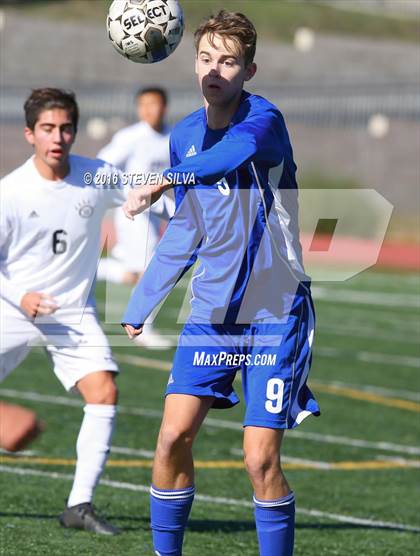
[356, 442]
[325, 465]
[149, 362]
[369, 357]
[385, 299]
[289, 459]
[386, 359]
[23, 453]
[366, 333]
[402, 461]
[387, 320]
[149, 454]
[215, 500]
[313, 464]
[387, 392]
[220, 423]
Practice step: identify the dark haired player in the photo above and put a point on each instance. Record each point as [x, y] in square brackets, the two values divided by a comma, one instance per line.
[49, 248]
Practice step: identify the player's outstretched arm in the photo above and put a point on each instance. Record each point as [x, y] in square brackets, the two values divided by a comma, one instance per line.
[261, 136]
[140, 198]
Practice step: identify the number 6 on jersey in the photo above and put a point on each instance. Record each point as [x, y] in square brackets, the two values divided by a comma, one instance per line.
[274, 394]
[59, 245]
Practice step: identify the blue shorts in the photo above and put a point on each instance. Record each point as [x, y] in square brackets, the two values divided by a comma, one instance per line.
[274, 359]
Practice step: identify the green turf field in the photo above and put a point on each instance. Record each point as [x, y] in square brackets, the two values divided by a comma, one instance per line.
[355, 470]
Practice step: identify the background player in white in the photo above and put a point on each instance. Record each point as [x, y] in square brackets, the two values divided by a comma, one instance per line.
[141, 148]
[49, 248]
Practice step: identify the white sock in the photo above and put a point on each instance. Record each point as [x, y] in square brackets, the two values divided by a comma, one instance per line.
[93, 446]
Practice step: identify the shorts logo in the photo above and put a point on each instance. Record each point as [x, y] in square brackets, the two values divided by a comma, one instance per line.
[171, 379]
[85, 209]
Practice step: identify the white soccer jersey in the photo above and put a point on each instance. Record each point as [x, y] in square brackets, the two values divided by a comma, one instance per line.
[138, 148]
[50, 231]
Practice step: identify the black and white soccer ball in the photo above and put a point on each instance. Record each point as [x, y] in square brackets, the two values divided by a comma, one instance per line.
[145, 31]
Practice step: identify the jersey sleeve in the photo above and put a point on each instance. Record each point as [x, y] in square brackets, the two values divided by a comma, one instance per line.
[114, 187]
[117, 151]
[174, 255]
[12, 293]
[259, 137]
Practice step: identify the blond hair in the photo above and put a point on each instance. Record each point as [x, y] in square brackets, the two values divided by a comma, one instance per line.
[232, 26]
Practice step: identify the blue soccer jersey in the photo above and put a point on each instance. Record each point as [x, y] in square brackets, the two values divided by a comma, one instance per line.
[238, 220]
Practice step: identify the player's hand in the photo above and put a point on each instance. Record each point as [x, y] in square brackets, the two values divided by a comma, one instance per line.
[19, 426]
[36, 303]
[132, 332]
[140, 198]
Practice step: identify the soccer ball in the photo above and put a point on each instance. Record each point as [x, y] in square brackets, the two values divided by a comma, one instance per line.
[145, 31]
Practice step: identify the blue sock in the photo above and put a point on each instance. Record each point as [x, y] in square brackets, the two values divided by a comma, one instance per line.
[169, 511]
[275, 521]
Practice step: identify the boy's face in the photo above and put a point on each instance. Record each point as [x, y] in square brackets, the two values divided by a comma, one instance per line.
[221, 73]
[151, 109]
[52, 137]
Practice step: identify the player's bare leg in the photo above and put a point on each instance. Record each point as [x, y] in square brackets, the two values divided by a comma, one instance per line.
[172, 491]
[262, 462]
[274, 502]
[100, 393]
[99, 388]
[182, 417]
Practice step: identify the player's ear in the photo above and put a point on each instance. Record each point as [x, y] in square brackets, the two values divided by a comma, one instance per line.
[29, 135]
[250, 71]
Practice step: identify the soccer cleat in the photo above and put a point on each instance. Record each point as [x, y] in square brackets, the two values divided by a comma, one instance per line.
[83, 517]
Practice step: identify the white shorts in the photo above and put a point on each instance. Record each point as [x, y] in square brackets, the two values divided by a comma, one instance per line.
[76, 349]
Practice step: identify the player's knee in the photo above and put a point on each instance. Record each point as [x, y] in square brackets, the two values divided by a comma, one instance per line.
[173, 440]
[108, 393]
[102, 390]
[260, 464]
